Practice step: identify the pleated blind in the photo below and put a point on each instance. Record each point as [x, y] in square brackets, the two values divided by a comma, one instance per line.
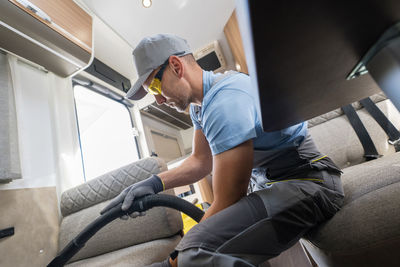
[9, 154]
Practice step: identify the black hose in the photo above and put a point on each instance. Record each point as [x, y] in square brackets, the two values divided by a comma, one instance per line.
[141, 204]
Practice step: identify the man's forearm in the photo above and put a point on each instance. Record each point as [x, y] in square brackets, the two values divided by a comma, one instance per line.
[190, 171]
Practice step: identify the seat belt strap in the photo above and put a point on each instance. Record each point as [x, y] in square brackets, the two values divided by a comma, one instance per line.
[370, 151]
[383, 121]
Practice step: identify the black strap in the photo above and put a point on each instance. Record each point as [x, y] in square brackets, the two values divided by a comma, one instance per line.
[383, 121]
[7, 232]
[366, 141]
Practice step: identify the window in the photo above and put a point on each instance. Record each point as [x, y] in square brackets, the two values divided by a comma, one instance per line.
[106, 135]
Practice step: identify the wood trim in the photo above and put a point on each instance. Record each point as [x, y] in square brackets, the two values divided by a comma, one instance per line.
[206, 190]
[68, 19]
[181, 189]
[232, 34]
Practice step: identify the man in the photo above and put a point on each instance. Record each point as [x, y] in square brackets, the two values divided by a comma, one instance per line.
[295, 187]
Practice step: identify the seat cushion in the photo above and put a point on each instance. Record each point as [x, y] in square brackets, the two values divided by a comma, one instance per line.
[139, 255]
[365, 232]
[159, 222]
[370, 176]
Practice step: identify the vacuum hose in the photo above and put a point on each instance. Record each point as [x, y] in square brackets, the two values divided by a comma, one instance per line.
[140, 205]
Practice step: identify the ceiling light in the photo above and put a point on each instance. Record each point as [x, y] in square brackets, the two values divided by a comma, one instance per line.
[146, 3]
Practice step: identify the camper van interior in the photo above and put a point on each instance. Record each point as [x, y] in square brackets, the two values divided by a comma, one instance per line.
[71, 140]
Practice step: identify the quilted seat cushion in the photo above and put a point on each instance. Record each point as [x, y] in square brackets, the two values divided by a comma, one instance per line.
[108, 185]
[368, 223]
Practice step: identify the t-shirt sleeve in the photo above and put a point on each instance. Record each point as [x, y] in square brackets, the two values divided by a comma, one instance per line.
[230, 120]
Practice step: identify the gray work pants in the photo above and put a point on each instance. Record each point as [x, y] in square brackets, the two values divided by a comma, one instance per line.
[266, 222]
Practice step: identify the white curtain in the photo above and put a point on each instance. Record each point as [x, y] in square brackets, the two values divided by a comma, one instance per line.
[9, 153]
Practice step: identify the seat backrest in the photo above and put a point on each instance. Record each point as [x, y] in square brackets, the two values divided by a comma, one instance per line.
[365, 231]
[82, 205]
[335, 137]
[108, 185]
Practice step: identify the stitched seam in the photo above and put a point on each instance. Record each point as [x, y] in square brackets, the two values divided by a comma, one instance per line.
[319, 158]
[107, 187]
[129, 175]
[240, 233]
[246, 229]
[97, 193]
[84, 197]
[143, 168]
[117, 181]
[73, 202]
[338, 198]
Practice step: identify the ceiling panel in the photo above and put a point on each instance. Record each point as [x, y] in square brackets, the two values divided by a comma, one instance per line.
[198, 21]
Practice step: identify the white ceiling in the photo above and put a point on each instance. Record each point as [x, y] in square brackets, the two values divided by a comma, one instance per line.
[198, 21]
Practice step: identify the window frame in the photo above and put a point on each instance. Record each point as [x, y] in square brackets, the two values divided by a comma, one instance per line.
[108, 93]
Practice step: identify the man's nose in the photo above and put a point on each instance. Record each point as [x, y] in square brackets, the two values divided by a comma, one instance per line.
[160, 99]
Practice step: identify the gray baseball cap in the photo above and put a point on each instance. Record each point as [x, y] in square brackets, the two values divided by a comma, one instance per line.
[151, 53]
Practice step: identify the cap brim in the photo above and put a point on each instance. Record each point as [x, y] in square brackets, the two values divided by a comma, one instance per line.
[137, 91]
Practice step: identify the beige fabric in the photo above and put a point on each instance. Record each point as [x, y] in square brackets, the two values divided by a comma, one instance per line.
[376, 255]
[339, 112]
[370, 176]
[82, 205]
[109, 185]
[338, 140]
[363, 232]
[158, 223]
[135, 256]
[34, 214]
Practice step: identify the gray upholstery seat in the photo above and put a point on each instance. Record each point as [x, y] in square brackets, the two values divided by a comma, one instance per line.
[366, 231]
[134, 242]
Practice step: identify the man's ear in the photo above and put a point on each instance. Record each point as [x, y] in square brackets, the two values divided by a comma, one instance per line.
[177, 66]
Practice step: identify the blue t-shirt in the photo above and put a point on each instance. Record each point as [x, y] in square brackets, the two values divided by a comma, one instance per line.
[228, 117]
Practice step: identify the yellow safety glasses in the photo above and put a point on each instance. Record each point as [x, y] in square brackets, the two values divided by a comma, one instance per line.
[155, 86]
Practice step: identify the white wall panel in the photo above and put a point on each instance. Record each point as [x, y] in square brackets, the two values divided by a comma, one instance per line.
[34, 126]
[48, 136]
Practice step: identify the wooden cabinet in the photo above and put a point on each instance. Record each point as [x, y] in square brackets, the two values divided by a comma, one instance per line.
[232, 34]
[55, 34]
[64, 17]
[206, 189]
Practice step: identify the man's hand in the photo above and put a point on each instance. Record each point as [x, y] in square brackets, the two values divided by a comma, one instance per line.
[150, 186]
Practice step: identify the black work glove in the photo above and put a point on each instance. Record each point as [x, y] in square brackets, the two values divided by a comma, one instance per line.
[150, 186]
